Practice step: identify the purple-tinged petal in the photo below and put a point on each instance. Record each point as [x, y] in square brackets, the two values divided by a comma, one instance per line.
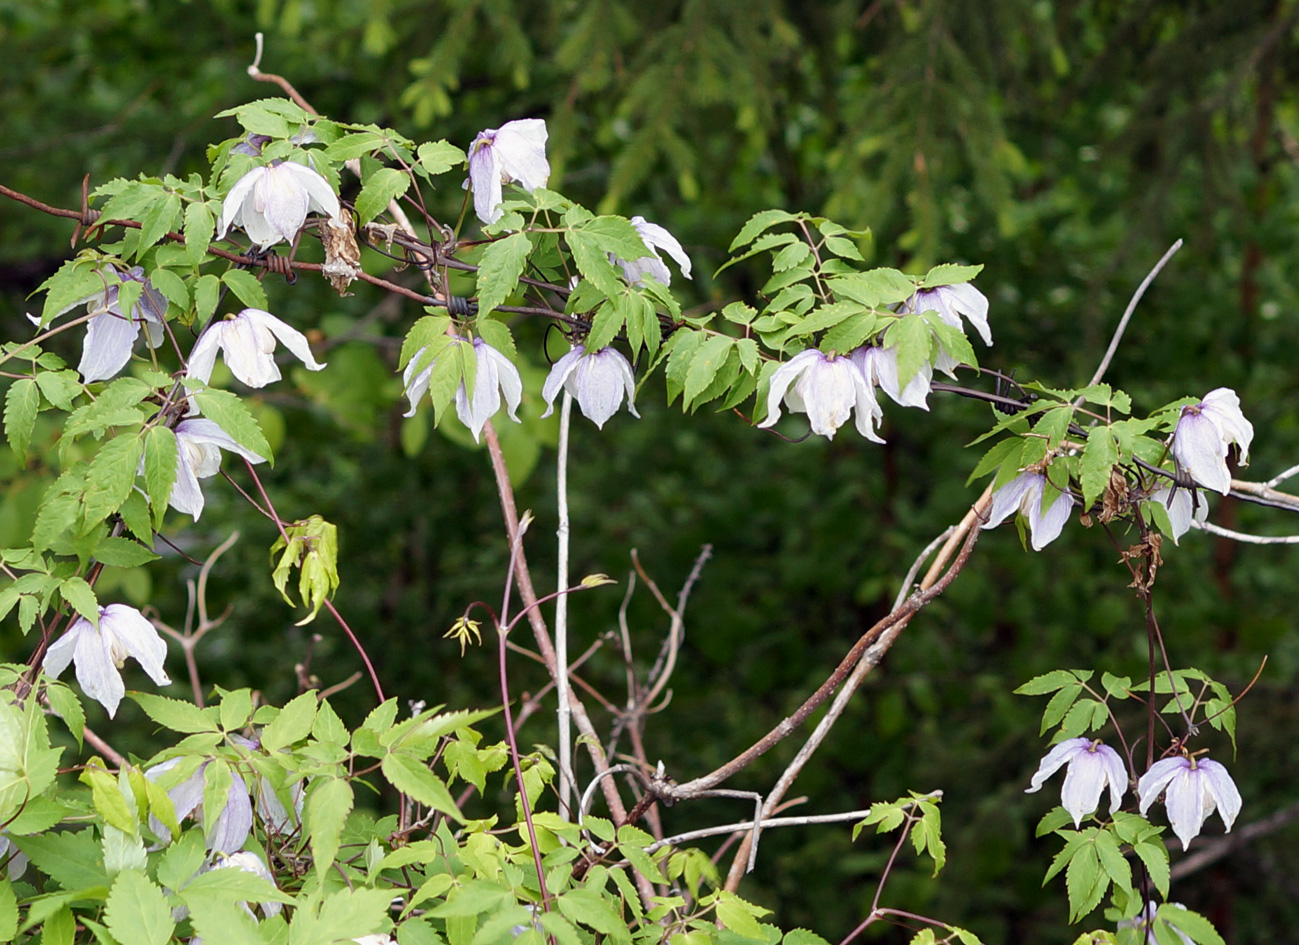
[559, 373]
[1054, 760]
[1045, 527]
[1006, 501]
[235, 821]
[1221, 790]
[1153, 782]
[107, 348]
[1199, 450]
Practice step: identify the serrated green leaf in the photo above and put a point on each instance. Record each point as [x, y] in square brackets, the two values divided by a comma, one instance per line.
[156, 222]
[22, 401]
[160, 454]
[200, 226]
[758, 223]
[437, 157]
[81, 596]
[914, 343]
[739, 916]
[176, 714]
[228, 412]
[215, 921]
[1085, 881]
[1196, 926]
[111, 475]
[1154, 856]
[59, 387]
[328, 806]
[593, 262]
[1098, 459]
[949, 274]
[246, 288]
[381, 187]
[415, 780]
[499, 270]
[292, 724]
[137, 912]
[1048, 682]
[173, 288]
[704, 365]
[207, 292]
[355, 145]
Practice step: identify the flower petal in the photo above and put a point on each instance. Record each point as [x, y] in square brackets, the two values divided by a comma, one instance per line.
[139, 636]
[1222, 789]
[107, 347]
[289, 336]
[558, 375]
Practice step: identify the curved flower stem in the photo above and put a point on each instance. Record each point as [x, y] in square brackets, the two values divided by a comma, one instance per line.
[561, 614]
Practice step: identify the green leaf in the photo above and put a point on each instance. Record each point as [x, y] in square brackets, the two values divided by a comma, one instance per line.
[414, 779]
[1112, 860]
[182, 859]
[355, 145]
[176, 714]
[1154, 855]
[74, 281]
[112, 473]
[328, 805]
[380, 188]
[246, 288]
[914, 343]
[108, 799]
[22, 401]
[71, 859]
[705, 364]
[1086, 882]
[1200, 929]
[586, 906]
[215, 921]
[79, 594]
[739, 916]
[157, 221]
[59, 928]
[292, 724]
[8, 912]
[199, 229]
[116, 405]
[1099, 457]
[59, 387]
[231, 884]
[172, 286]
[228, 412]
[66, 705]
[137, 912]
[437, 157]
[758, 223]
[499, 270]
[160, 454]
[207, 292]
[1049, 682]
[949, 274]
[593, 263]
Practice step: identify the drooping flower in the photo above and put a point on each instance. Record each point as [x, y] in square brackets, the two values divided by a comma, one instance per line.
[1202, 436]
[1193, 788]
[1093, 766]
[827, 390]
[952, 302]
[248, 343]
[110, 335]
[99, 653]
[598, 380]
[494, 375]
[880, 368]
[271, 203]
[1024, 494]
[228, 832]
[1182, 506]
[199, 443]
[513, 153]
[655, 237]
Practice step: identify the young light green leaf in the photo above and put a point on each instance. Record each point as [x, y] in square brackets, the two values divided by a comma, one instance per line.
[112, 473]
[81, 596]
[1197, 927]
[437, 157]
[207, 292]
[705, 364]
[949, 274]
[176, 714]
[758, 223]
[292, 724]
[157, 221]
[328, 805]
[227, 410]
[415, 780]
[246, 287]
[199, 229]
[381, 187]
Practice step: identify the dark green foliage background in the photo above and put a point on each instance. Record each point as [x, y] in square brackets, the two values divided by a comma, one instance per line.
[1063, 145]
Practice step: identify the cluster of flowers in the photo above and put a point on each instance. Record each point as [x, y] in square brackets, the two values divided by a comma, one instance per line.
[1193, 787]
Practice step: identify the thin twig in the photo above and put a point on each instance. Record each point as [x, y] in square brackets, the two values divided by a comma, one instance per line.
[564, 712]
[1244, 537]
[1127, 315]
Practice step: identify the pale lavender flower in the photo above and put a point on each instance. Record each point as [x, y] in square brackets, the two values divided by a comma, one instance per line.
[1193, 788]
[251, 863]
[513, 153]
[952, 302]
[110, 335]
[1093, 766]
[655, 238]
[199, 443]
[99, 653]
[271, 203]
[880, 368]
[230, 830]
[494, 375]
[1202, 436]
[827, 390]
[597, 380]
[1024, 494]
[1182, 509]
[248, 343]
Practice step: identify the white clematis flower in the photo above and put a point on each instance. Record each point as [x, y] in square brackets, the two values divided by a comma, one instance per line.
[1202, 436]
[1193, 788]
[513, 153]
[952, 302]
[271, 203]
[248, 342]
[827, 390]
[110, 335]
[495, 374]
[1024, 494]
[656, 238]
[597, 381]
[1182, 509]
[99, 653]
[199, 443]
[1093, 766]
[880, 368]
[228, 833]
